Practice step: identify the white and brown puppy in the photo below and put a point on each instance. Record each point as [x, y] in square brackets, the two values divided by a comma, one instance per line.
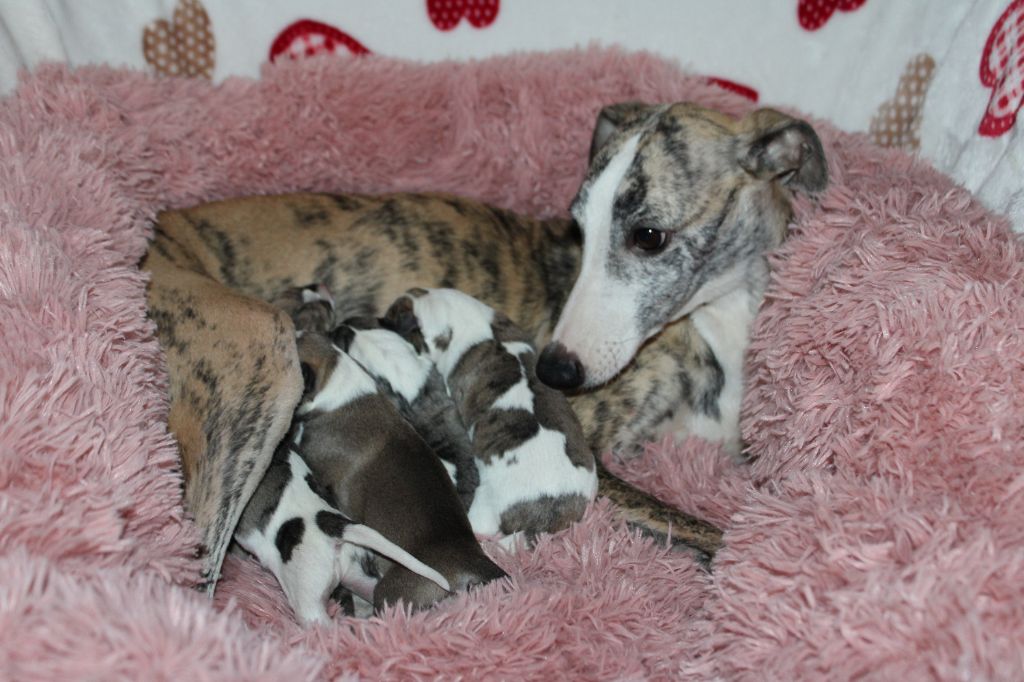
[308, 545]
[378, 469]
[536, 472]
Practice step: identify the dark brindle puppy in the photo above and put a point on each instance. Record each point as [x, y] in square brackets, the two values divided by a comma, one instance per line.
[677, 211]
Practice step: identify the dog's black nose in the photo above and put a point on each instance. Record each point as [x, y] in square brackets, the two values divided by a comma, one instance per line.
[558, 368]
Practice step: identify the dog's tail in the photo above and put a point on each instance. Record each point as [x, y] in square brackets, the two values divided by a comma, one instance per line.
[364, 536]
[656, 519]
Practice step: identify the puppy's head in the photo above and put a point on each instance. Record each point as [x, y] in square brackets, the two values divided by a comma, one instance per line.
[440, 323]
[311, 307]
[678, 204]
[345, 333]
[318, 359]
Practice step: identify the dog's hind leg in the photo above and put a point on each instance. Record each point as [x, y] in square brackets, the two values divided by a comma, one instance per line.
[235, 382]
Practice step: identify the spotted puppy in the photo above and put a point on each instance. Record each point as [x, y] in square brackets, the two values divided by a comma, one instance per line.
[308, 545]
[536, 472]
[377, 469]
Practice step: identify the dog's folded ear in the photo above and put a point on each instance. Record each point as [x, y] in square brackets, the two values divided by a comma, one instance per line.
[774, 146]
[342, 336]
[308, 379]
[401, 317]
[614, 117]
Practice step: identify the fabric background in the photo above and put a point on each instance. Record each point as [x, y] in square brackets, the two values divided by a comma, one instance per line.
[866, 65]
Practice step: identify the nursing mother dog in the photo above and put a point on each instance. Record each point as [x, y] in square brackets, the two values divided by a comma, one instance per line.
[642, 303]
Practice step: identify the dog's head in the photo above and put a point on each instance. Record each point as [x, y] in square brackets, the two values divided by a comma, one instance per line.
[678, 202]
[440, 323]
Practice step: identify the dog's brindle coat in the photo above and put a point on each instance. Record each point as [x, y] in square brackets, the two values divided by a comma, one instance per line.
[234, 373]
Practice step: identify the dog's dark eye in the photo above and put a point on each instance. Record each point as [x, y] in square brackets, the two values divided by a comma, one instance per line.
[648, 239]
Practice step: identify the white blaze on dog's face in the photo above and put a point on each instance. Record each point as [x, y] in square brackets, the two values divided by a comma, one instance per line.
[676, 205]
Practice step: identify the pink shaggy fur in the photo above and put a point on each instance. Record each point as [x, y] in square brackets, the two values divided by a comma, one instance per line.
[875, 535]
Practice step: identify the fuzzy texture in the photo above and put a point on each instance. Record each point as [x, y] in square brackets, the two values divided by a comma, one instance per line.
[876, 533]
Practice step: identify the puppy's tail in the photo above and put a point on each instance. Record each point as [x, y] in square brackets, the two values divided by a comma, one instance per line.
[364, 536]
[656, 519]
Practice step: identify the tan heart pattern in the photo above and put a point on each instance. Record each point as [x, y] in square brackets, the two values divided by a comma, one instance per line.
[182, 47]
[898, 121]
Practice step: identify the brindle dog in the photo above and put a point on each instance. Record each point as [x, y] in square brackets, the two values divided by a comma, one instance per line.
[683, 198]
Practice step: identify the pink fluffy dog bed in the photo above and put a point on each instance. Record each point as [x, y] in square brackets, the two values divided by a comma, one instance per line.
[877, 535]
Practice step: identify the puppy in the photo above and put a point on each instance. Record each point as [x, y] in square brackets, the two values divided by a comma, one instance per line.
[311, 307]
[536, 472]
[416, 388]
[378, 470]
[310, 547]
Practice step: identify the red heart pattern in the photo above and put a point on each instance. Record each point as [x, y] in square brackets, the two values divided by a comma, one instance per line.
[813, 14]
[306, 38]
[732, 86]
[446, 14]
[1002, 69]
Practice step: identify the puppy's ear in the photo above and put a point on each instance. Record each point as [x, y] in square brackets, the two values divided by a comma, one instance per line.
[504, 329]
[315, 316]
[401, 317]
[615, 117]
[774, 146]
[342, 336]
[308, 379]
[288, 300]
[362, 322]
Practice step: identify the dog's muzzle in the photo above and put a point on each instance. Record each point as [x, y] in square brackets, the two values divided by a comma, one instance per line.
[558, 368]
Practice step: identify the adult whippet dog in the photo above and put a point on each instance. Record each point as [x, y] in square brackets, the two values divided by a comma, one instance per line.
[644, 301]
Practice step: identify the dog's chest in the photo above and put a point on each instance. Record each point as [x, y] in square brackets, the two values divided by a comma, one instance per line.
[725, 326]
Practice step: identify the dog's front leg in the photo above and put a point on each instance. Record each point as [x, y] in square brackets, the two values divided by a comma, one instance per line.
[673, 378]
[235, 382]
